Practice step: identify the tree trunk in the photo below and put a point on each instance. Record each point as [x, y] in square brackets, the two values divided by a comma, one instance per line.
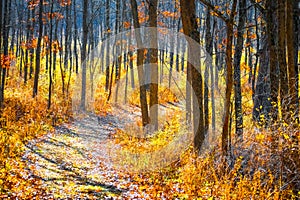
[188, 14]
[237, 71]
[83, 53]
[282, 58]
[262, 104]
[140, 62]
[50, 64]
[271, 36]
[209, 48]
[296, 21]
[107, 21]
[38, 50]
[229, 80]
[154, 65]
[75, 37]
[291, 61]
[4, 38]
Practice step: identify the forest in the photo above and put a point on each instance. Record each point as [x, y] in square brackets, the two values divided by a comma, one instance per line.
[149, 99]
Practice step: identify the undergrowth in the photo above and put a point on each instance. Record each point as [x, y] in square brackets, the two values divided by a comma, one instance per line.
[256, 172]
[22, 119]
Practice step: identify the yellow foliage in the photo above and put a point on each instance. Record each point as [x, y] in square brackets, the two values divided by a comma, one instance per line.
[165, 95]
[152, 142]
[23, 118]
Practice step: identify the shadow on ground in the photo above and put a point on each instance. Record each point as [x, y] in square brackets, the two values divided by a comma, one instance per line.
[72, 161]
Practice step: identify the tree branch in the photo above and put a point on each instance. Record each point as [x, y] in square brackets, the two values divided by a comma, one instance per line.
[212, 7]
[258, 6]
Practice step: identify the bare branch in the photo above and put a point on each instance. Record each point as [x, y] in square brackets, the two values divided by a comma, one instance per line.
[258, 6]
[212, 7]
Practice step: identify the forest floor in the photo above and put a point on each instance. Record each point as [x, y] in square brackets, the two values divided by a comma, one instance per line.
[72, 162]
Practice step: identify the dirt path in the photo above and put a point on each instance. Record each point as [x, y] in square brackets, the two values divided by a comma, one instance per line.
[72, 162]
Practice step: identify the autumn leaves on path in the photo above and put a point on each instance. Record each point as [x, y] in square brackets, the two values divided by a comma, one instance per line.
[72, 161]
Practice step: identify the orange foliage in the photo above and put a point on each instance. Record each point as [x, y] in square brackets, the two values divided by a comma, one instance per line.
[170, 14]
[126, 24]
[6, 60]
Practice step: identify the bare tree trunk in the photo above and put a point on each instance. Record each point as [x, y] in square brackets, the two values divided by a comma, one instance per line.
[4, 37]
[291, 61]
[75, 38]
[271, 36]
[38, 50]
[188, 14]
[209, 48]
[229, 80]
[83, 53]
[154, 65]
[262, 104]
[140, 61]
[107, 21]
[27, 51]
[282, 57]
[237, 71]
[51, 53]
[296, 56]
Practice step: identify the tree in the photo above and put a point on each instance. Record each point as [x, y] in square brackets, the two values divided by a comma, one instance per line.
[38, 50]
[281, 52]
[209, 49]
[107, 23]
[237, 69]
[293, 89]
[189, 23]
[154, 65]
[5, 7]
[271, 8]
[140, 61]
[229, 21]
[83, 53]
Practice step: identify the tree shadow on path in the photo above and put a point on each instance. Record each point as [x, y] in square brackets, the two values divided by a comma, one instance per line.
[71, 162]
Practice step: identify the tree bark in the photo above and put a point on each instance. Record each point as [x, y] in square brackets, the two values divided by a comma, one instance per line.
[229, 80]
[209, 48]
[154, 65]
[4, 37]
[140, 62]
[237, 70]
[188, 14]
[282, 57]
[83, 53]
[291, 61]
[38, 50]
[271, 37]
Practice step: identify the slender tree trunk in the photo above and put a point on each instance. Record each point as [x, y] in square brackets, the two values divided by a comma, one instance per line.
[31, 48]
[4, 37]
[257, 54]
[83, 53]
[140, 62]
[291, 61]
[188, 14]
[296, 21]
[51, 61]
[27, 51]
[282, 58]
[107, 21]
[271, 36]
[75, 37]
[209, 48]
[154, 65]
[237, 71]
[38, 50]
[229, 81]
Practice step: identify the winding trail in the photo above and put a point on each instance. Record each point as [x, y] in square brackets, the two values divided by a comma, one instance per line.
[72, 161]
